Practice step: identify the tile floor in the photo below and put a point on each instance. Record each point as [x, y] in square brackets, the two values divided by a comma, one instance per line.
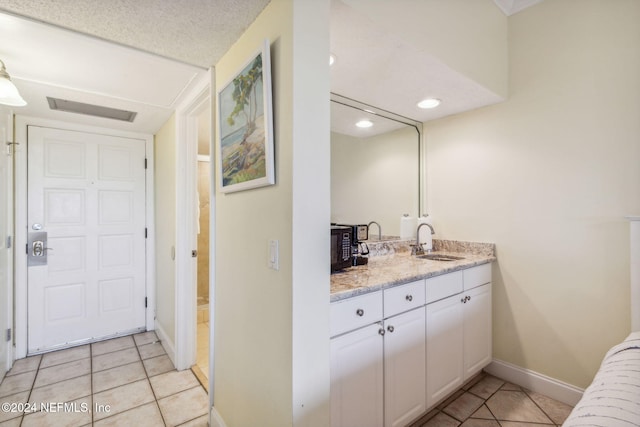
[201, 368]
[127, 381]
[487, 401]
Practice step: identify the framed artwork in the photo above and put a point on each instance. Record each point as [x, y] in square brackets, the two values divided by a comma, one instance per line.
[245, 123]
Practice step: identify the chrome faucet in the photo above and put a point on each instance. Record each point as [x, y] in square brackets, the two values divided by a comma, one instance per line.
[417, 249]
[379, 229]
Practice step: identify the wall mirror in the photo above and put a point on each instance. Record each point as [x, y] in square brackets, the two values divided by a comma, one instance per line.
[376, 170]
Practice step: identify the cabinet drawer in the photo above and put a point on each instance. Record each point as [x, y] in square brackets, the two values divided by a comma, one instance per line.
[440, 287]
[476, 276]
[403, 298]
[353, 313]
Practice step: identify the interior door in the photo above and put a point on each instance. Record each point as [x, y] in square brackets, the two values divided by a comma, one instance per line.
[86, 246]
[6, 191]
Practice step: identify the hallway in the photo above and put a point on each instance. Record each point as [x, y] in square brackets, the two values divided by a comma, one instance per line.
[127, 381]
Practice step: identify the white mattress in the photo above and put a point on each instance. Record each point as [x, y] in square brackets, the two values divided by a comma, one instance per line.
[613, 398]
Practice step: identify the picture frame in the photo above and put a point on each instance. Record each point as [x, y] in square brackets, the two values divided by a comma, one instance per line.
[245, 147]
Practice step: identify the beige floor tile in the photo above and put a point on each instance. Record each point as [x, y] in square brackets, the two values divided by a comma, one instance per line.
[143, 416]
[557, 411]
[483, 413]
[111, 345]
[515, 406]
[185, 406]
[64, 391]
[145, 338]
[486, 387]
[14, 422]
[148, 351]
[17, 383]
[118, 376]
[203, 421]
[123, 398]
[158, 365]
[27, 364]
[442, 420]
[173, 382]
[14, 398]
[480, 423]
[450, 399]
[473, 381]
[117, 358]
[63, 372]
[63, 356]
[510, 387]
[75, 414]
[463, 406]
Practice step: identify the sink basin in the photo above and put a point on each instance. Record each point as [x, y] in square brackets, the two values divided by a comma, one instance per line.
[439, 257]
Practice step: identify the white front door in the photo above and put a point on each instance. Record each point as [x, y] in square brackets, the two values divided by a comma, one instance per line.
[6, 186]
[86, 227]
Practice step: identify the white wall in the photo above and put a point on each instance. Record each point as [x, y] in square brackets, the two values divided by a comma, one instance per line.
[549, 176]
[271, 347]
[375, 179]
[165, 211]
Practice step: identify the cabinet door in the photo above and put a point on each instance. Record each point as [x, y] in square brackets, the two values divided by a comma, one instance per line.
[357, 378]
[444, 348]
[404, 367]
[477, 330]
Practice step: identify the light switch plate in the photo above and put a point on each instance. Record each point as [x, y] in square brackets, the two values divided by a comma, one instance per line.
[274, 255]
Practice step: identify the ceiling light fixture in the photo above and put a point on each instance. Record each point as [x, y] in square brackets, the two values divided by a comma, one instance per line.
[429, 103]
[332, 59]
[9, 94]
[364, 123]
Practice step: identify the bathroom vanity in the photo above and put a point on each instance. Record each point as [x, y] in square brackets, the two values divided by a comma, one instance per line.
[407, 331]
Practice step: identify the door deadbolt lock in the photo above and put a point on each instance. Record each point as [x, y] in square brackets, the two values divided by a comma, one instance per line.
[37, 248]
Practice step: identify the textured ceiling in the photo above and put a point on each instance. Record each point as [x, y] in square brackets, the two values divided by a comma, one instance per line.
[197, 32]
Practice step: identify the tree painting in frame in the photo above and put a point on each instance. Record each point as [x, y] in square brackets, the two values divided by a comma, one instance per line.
[246, 127]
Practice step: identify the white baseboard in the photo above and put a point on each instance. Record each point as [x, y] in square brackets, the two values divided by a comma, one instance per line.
[216, 420]
[535, 381]
[167, 343]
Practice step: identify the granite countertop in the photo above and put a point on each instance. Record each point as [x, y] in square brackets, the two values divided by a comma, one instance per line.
[391, 264]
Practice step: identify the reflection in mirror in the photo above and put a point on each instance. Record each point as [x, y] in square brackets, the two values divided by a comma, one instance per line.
[375, 171]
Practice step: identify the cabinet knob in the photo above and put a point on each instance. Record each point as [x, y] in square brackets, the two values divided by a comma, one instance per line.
[469, 296]
[390, 328]
[409, 297]
[360, 312]
[463, 300]
[381, 331]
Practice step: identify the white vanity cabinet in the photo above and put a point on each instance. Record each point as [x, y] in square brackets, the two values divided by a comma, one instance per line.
[404, 353]
[378, 370]
[458, 331]
[396, 353]
[357, 378]
[404, 368]
[357, 395]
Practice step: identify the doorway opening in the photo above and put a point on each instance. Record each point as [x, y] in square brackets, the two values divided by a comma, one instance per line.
[201, 368]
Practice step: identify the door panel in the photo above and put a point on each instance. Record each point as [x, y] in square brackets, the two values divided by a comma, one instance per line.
[87, 192]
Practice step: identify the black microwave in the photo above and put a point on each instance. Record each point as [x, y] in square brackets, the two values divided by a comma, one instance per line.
[341, 238]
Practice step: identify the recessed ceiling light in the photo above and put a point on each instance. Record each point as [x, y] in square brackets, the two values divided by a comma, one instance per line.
[332, 59]
[364, 123]
[429, 103]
